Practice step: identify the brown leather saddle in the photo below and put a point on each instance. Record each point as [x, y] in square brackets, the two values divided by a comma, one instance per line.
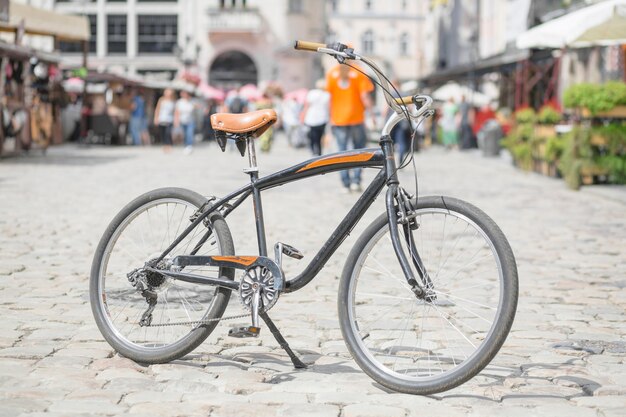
[240, 127]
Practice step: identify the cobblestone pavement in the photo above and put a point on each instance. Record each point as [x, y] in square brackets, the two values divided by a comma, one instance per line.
[565, 355]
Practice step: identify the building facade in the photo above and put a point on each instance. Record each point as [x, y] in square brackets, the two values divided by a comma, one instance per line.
[223, 42]
[387, 31]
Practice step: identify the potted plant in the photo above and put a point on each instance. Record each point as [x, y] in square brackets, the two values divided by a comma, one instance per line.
[597, 100]
[519, 139]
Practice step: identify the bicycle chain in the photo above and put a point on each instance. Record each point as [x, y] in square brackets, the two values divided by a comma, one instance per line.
[199, 322]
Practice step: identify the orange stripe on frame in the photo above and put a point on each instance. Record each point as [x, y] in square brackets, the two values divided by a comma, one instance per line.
[359, 157]
[243, 260]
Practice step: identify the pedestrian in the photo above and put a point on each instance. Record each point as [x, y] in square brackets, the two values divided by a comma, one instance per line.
[236, 103]
[138, 124]
[448, 124]
[315, 115]
[210, 109]
[266, 139]
[349, 100]
[164, 118]
[401, 133]
[466, 135]
[183, 118]
[291, 121]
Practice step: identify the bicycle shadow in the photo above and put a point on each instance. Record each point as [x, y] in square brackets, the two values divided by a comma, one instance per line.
[278, 367]
[494, 384]
[526, 381]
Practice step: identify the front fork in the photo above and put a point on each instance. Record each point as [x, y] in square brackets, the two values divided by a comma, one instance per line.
[400, 211]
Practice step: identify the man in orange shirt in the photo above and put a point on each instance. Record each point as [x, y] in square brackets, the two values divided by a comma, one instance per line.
[349, 99]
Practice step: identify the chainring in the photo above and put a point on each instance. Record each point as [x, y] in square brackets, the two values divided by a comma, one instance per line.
[261, 277]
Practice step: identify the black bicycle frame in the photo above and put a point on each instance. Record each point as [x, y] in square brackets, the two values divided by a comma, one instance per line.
[364, 158]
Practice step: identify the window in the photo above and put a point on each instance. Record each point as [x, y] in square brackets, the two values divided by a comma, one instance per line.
[368, 4]
[166, 74]
[116, 33]
[76, 47]
[334, 5]
[404, 4]
[404, 44]
[367, 42]
[295, 6]
[157, 33]
[232, 3]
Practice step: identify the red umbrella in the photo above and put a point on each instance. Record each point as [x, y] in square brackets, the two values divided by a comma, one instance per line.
[250, 92]
[210, 92]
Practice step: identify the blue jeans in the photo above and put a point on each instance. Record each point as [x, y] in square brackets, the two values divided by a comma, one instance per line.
[136, 127]
[344, 135]
[188, 130]
[401, 137]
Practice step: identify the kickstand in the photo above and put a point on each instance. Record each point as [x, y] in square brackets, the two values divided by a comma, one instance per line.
[297, 363]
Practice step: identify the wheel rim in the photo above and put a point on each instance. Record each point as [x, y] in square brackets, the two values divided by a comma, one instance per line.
[137, 240]
[414, 340]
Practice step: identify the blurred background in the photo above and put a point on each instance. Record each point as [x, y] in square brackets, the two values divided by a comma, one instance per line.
[539, 68]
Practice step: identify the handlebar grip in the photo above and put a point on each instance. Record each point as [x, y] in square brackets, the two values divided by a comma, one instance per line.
[404, 100]
[308, 46]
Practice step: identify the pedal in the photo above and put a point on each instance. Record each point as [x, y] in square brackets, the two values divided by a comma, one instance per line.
[246, 331]
[289, 250]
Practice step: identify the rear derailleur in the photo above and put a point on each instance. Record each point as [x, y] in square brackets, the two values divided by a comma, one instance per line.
[146, 280]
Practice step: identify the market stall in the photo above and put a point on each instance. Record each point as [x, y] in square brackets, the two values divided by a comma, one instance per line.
[31, 95]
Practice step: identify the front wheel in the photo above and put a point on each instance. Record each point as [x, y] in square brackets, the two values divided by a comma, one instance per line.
[183, 313]
[424, 345]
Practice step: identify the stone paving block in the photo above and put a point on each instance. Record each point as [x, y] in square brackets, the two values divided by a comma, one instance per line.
[238, 409]
[113, 396]
[65, 362]
[171, 409]
[372, 410]
[71, 406]
[611, 401]
[137, 397]
[309, 410]
[27, 352]
[85, 352]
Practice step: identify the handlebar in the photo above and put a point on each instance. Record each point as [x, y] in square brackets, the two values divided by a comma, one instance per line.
[404, 100]
[308, 46]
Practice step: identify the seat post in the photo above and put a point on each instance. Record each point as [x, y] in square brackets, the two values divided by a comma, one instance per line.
[253, 171]
[251, 156]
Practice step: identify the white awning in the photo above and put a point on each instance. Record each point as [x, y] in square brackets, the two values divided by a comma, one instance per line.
[603, 23]
[46, 23]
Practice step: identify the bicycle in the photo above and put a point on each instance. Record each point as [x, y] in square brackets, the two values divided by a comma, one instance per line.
[426, 299]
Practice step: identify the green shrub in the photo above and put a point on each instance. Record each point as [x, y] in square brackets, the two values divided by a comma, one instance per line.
[615, 166]
[577, 153]
[615, 134]
[595, 97]
[525, 116]
[549, 115]
[554, 148]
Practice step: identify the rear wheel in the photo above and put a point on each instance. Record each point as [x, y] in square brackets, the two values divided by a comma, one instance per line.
[420, 345]
[139, 234]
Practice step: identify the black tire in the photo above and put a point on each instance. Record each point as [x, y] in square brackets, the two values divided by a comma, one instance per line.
[199, 304]
[405, 354]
